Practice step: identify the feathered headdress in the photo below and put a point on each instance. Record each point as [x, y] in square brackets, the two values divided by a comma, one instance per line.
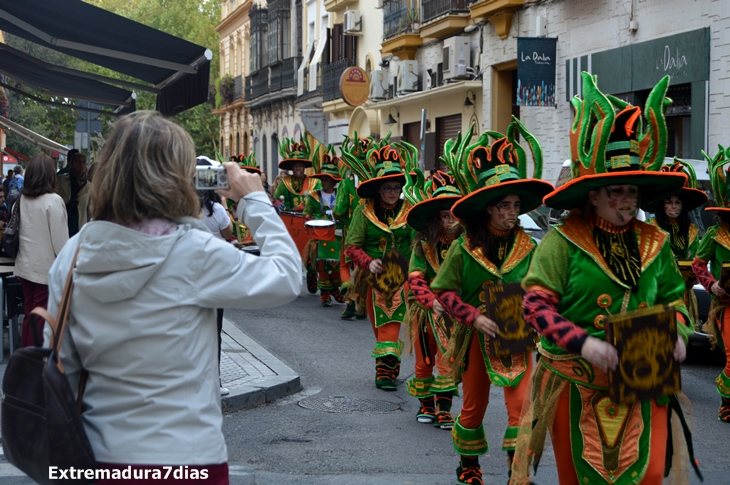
[247, 163]
[297, 152]
[327, 166]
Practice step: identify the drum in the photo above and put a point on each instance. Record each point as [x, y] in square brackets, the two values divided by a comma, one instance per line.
[321, 230]
[294, 222]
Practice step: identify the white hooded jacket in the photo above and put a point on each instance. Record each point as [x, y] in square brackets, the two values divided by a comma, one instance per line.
[142, 323]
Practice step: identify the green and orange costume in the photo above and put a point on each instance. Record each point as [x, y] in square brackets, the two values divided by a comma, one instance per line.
[321, 254]
[685, 243]
[429, 333]
[486, 172]
[585, 270]
[375, 231]
[715, 249]
[295, 190]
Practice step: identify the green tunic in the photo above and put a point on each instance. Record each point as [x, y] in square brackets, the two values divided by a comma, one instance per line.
[346, 202]
[294, 200]
[568, 264]
[466, 270]
[377, 239]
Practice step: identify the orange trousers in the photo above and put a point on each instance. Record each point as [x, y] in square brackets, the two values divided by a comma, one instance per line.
[476, 386]
[424, 369]
[385, 333]
[560, 435]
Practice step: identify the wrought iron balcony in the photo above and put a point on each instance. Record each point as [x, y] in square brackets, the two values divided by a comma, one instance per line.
[432, 9]
[395, 18]
[247, 89]
[238, 91]
[260, 83]
[275, 77]
[289, 72]
[331, 74]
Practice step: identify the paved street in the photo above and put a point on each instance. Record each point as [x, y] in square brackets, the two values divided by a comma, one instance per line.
[283, 442]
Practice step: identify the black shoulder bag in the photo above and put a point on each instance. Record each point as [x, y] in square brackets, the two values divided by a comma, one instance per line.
[41, 419]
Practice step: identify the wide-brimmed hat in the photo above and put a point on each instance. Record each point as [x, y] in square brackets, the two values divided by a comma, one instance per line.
[428, 198]
[610, 147]
[247, 163]
[690, 195]
[487, 172]
[383, 162]
[327, 166]
[293, 152]
[716, 167]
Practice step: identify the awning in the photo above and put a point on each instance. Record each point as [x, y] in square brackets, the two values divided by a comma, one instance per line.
[178, 69]
[32, 136]
[15, 154]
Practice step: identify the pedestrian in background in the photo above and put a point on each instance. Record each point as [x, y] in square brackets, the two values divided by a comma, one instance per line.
[4, 211]
[7, 180]
[74, 190]
[265, 183]
[148, 279]
[43, 233]
[15, 185]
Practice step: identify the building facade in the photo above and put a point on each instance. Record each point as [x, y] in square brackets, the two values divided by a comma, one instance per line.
[457, 60]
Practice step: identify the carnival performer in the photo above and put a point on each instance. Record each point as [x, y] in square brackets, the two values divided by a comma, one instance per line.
[293, 189]
[672, 215]
[345, 205]
[602, 261]
[715, 248]
[379, 242]
[325, 254]
[429, 335]
[493, 250]
[240, 231]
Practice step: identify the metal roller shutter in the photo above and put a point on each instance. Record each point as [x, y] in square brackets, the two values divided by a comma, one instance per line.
[446, 128]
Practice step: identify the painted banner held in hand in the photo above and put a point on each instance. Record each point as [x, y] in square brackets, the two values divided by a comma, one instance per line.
[536, 61]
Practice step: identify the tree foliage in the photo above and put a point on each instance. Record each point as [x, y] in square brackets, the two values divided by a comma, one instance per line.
[193, 20]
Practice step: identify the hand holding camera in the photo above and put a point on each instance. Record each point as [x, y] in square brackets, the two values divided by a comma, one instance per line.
[240, 182]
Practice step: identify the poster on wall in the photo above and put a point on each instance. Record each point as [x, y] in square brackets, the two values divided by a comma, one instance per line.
[536, 61]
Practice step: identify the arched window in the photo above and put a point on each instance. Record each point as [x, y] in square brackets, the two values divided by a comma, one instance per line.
[245, 144]
[274, 151]
[265, 161]
[238, 143]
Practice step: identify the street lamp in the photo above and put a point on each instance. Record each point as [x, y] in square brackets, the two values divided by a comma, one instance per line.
[391, 120]
[469, 100]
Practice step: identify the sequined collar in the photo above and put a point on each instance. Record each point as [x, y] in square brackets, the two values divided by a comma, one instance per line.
[601, 223]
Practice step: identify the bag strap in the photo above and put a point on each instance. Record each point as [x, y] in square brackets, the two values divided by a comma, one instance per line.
[58, 325]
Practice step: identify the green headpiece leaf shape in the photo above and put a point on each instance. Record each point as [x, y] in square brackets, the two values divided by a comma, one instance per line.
[291, 149]
[514, 128]
[244, 161]
[594, 121]
[719, 175]
[680, 166]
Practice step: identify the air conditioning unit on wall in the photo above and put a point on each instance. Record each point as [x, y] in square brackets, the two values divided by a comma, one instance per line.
[407, 77]
[457, 57]
[353, 21]
[378, 85]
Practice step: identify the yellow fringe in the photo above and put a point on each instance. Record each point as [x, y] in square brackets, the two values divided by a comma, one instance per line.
[461, 335]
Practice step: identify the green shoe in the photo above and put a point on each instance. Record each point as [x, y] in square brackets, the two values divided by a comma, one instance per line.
[349, 311]
[361, 316]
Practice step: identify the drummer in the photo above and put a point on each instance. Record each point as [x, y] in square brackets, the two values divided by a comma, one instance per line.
[320, 253]
[240, 231]
[293, 189]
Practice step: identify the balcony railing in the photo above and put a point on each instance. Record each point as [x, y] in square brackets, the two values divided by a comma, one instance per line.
[431, 9]
[260, 83]
[275, 76]
[238, 91]
[395, 18]
[289, 72]
[331, 74]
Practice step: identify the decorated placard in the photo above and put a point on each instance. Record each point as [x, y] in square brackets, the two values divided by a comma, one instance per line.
[536, 61]
[504, 307]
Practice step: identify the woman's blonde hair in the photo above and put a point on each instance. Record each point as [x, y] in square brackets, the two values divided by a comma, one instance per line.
[145, 170]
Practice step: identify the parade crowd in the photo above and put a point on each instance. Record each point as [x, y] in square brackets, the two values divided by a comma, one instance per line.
[438, 264]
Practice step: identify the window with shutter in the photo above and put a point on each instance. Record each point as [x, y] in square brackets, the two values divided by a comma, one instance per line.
[446, 127]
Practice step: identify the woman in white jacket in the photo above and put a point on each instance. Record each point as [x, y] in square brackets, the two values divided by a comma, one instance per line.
[148, 279]
[43, 233]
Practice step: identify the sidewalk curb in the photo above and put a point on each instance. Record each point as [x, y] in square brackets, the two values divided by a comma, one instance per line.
[265, 390]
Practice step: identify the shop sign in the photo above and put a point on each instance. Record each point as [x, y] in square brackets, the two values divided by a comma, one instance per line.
[536, 61]
[355, 86]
